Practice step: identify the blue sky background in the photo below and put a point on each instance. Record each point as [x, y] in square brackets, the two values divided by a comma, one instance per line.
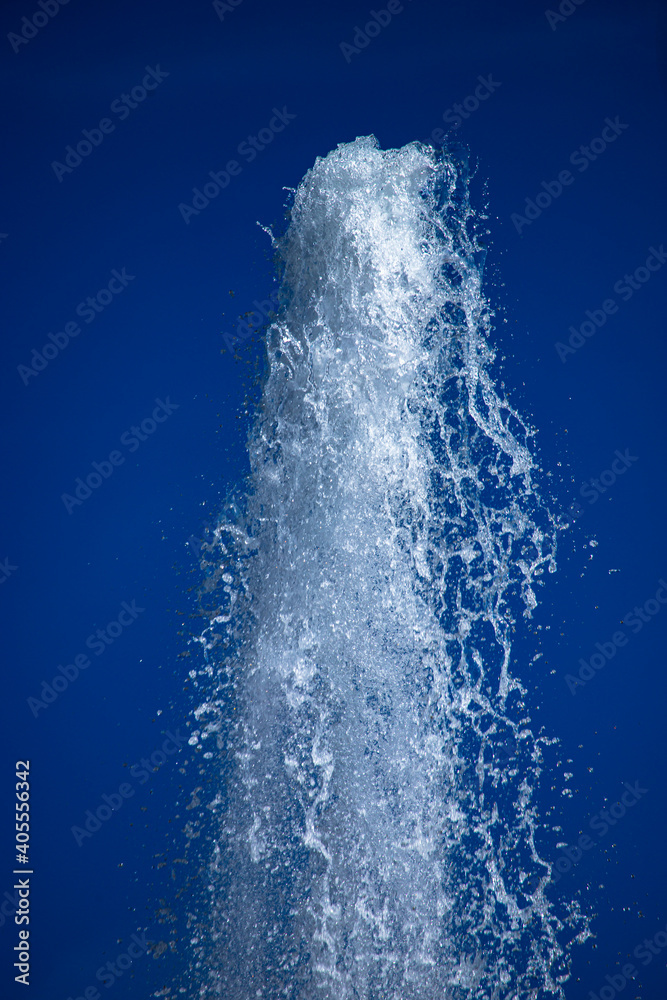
[161, 337]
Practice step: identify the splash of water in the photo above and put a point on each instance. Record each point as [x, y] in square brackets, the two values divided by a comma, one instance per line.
[375, 837]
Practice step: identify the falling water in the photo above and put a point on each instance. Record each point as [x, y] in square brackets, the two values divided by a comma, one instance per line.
[373, 831]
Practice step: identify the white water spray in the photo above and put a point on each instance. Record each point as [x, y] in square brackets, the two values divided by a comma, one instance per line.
[375, 835]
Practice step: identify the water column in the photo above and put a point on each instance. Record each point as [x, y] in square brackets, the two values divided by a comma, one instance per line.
[376, 836]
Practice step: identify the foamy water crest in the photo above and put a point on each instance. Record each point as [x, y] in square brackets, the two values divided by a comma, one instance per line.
[374, 823]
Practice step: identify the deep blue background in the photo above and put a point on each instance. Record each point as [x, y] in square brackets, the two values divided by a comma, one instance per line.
[162, 337]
